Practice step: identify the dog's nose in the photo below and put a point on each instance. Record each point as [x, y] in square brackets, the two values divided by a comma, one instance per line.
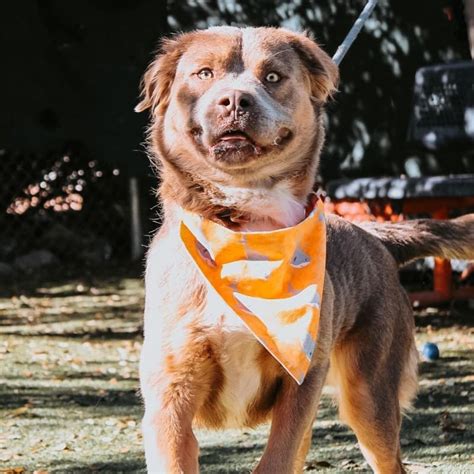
[235, 102]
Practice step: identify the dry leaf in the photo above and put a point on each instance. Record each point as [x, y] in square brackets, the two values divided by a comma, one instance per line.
[12, 470]
[20, 411]
[448, 424]
[62, 447]
[318, 464]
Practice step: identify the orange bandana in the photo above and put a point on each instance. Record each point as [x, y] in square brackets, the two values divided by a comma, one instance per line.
[272, 280]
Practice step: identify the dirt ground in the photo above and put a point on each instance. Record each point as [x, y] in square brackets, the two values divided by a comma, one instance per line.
[69, 401]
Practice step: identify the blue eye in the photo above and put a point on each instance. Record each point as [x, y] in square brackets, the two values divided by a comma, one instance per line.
[205, 74]
[273, 77]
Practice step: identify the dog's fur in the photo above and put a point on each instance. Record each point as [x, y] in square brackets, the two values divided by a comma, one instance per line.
[199, 364]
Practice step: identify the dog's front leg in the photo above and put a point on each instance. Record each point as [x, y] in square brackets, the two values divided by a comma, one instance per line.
[172, 395]
[292, 418]
[170, 444]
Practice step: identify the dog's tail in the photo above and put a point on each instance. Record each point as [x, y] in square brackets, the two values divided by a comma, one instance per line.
[420, 238]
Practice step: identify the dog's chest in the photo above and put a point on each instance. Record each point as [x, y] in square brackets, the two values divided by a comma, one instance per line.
[238, 358]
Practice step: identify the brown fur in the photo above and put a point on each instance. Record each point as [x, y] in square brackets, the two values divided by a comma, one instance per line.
[420, 238]
[199, 363]
[321, 78]
[260, 408]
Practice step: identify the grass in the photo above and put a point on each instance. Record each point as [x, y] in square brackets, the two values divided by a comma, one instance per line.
[69, 402]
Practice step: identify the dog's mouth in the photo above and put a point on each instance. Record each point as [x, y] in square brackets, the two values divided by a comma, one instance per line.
[230, 136]
[240, 137]
[234, 146]
[234, 135]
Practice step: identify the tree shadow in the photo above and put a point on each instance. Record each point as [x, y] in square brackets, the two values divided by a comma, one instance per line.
[61, 396]
[124, 466]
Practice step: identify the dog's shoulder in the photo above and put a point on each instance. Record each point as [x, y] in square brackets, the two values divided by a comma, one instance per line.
[170, 279]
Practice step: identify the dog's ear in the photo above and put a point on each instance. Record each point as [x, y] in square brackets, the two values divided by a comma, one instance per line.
[323, 72]
[156, 83]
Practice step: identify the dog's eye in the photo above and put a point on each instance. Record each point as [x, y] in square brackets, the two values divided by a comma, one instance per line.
[272, 77]
[205, 74]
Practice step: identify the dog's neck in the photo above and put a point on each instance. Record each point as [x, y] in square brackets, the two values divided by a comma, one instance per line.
[267, 208]
[260, 206]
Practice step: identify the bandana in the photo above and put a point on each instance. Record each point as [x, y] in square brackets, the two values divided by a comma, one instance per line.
[272, 280]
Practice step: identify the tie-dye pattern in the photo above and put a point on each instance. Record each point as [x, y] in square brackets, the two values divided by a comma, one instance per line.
[272, 280]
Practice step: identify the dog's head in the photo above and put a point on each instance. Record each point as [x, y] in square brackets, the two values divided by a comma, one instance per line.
[233, 105]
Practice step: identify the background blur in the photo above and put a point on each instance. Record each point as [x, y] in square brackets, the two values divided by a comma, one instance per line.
[72, 163]
[77, 209]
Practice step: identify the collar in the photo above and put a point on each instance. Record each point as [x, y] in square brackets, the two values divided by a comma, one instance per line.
[272, 280]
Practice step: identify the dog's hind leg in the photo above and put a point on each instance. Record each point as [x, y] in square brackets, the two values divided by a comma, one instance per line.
[369, 373]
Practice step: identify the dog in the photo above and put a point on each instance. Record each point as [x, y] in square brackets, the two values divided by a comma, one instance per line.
[236, 132]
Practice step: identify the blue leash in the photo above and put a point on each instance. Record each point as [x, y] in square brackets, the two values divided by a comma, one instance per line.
[354, 31]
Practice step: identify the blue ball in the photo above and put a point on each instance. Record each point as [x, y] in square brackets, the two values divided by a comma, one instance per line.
[430, 351]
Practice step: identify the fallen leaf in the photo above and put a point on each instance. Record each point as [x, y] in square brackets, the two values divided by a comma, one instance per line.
[20, 411]
[12, 470]
[448, 424]
[318, 464]
[348, 463]
[62, 447]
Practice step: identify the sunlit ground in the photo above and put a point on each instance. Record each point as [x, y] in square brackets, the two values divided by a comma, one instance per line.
[69, 402]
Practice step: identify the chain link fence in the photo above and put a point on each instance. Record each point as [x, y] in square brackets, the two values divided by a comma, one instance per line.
[64, 210]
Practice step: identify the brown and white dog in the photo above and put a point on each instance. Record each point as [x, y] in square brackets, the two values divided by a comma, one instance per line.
[236, 132]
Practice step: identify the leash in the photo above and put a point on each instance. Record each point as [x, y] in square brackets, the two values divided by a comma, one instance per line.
[354, 31]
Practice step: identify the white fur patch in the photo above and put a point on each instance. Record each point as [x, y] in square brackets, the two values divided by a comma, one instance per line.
[272, 208]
